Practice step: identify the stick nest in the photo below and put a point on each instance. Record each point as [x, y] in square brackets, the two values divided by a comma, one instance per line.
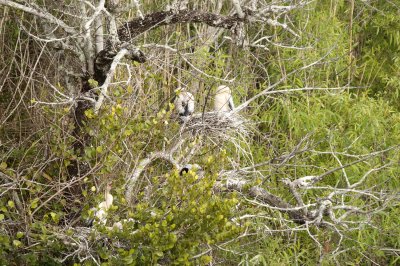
[219, 125]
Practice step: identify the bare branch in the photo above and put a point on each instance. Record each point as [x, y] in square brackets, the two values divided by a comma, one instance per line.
[137, 26]
[139, 12]
[132, 178]
[39, 13]
[260, 194]
[238, 8]
[104, 88]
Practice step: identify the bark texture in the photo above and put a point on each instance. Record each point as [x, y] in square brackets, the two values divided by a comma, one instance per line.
[137, 26]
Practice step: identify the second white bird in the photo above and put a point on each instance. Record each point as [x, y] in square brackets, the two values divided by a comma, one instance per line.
[223, 101]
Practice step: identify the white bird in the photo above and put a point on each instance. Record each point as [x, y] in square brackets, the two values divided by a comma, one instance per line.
[305, 181]
[184, 103]
[102, 208]
[302, 182]
[223, 101]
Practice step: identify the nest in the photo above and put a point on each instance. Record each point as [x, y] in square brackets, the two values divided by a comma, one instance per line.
[219, 125]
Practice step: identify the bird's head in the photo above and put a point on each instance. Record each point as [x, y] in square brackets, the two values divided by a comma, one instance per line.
[107, 189]
[190, 167]
[223, 90]
[107, 195]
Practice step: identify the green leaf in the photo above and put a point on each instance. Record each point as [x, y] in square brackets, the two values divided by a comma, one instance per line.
[128, 132]
[89, 113]
[205, 260]
[3, 165]
[55, 217]
[159, 253]
[17, 243]
[93, 83]
[11, 204]
[34, 203]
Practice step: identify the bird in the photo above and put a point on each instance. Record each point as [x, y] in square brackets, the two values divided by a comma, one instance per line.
[302, 182]
[223, 101]
[184, 103]
[102, 208]
[192, 167]
[305, 181]
[120, 224]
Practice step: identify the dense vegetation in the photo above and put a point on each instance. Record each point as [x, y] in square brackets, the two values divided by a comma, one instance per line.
[327, 108]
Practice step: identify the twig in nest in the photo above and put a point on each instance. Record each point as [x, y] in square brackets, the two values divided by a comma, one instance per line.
[218, 125]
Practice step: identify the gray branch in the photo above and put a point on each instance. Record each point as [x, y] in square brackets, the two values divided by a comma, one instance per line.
[39, 13]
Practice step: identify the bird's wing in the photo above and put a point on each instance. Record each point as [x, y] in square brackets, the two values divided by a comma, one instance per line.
[187, 112]
[187, 104]
[190, 105]
[231, 104]
[180, 104]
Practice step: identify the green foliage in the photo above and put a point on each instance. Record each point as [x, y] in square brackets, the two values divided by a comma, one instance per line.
[183, 220]
[179, 220]
[347, 124]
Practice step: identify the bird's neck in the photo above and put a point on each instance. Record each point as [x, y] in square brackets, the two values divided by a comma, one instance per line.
[109, 199]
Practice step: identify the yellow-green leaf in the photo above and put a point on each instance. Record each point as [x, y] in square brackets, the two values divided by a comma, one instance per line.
[55, 217]
[17, 243]
[34, 203]
[128, 132]
[3, 165]
[89, 113]
[99, 149]
[11, 204]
